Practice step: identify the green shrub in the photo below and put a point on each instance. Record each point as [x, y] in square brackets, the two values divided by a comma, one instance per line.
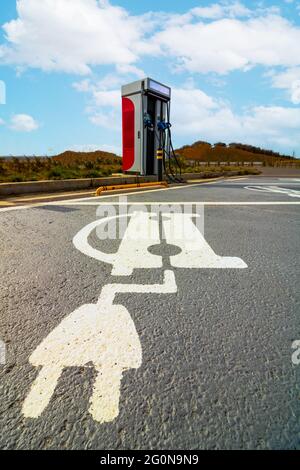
[93, 174]
[55, 173]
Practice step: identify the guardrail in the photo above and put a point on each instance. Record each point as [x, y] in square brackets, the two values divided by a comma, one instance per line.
[211, 163]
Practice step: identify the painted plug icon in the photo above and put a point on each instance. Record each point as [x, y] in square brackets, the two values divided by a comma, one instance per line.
[102, 336]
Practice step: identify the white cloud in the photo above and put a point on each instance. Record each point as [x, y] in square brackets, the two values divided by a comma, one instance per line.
[71, 35]
[2, 92]
[130, 69]
[110, 81]
[23, 123]
[107, 98]
[214, 120]
[104, 102]
[82, 86]
[93, 147]
[288, 80]
[211, 12]
[231, 44]
[218, 10]
[76, 35]
[112, 148]
[196, 115]
[107, 119]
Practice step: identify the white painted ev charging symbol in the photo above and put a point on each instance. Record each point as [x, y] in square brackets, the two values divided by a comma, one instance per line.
[2, 353]
[141, 233]
[195, 251]
[133, 252]
[103, 335]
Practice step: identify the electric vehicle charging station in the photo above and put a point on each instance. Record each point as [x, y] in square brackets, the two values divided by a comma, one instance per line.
[147, 143]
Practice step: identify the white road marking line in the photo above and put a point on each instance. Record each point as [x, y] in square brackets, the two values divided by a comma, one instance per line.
[82, 200]
[205, 203]
[101, 334]
[64, 202]
[274, 189]
[297, 180]
[195, 251]
[108, 196]
[241, 178]
[40, 196]
[200, 203]
[272, 182]
[113, 196]
[17, 208]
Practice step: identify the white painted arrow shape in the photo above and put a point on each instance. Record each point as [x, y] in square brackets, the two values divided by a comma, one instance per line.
[180, 230]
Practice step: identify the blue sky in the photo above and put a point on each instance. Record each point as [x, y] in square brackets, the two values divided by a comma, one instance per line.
[234, 68]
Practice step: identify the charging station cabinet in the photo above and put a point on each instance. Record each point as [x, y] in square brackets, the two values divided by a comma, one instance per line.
[145, 104]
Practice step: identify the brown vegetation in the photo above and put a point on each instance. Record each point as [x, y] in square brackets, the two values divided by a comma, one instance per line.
[70, 158]
[71, 164]
[220, 152]
[67, 165]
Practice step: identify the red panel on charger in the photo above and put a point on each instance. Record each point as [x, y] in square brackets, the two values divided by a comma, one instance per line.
[128, 133]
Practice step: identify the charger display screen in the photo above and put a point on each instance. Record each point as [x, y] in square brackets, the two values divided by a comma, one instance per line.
[159, 88]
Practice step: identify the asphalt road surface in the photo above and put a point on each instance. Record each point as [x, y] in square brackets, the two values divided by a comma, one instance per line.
[185, 354]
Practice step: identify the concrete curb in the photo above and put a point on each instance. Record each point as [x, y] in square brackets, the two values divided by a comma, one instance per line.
[49, 186]
[32, 187]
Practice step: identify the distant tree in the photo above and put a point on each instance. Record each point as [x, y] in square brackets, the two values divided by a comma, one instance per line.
[220, 144]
